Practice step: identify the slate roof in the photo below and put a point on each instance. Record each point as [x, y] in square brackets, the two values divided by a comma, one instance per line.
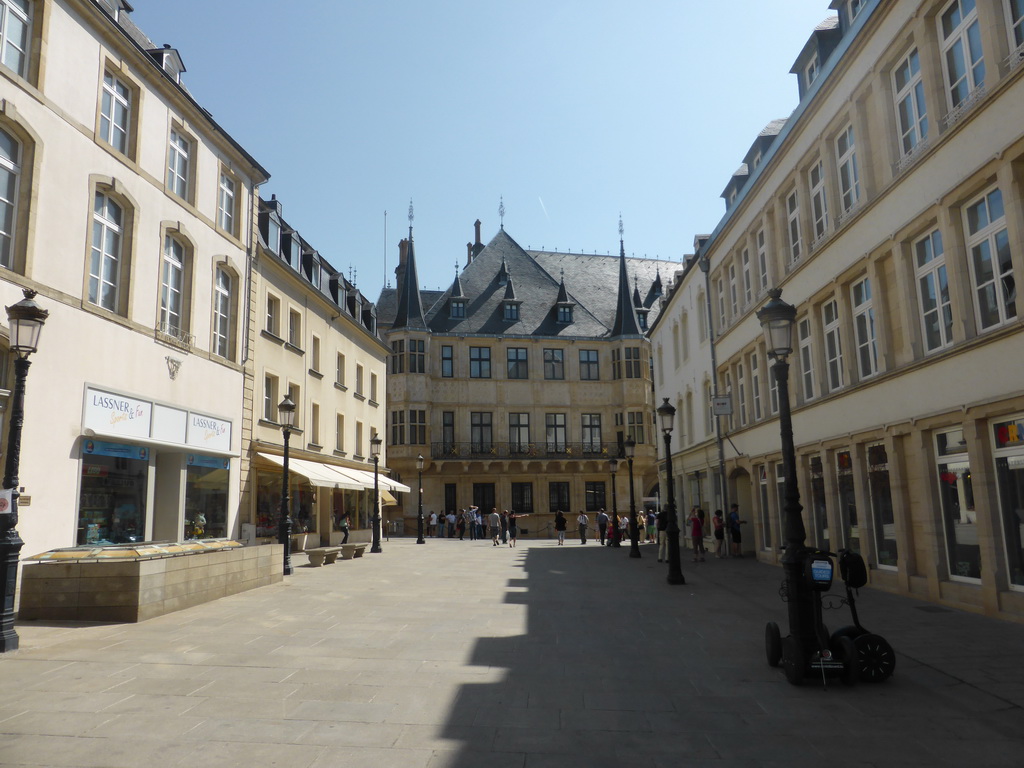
[591, 284]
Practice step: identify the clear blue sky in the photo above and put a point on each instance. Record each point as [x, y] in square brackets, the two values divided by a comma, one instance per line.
[571, 110]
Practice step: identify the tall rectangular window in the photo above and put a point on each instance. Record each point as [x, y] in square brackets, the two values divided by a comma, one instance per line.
[314, 424]
[962, 58]
[115, 112]
[554, 432]
[398, 427]
[448, 432]
[522, 498]
[991, 266]
[722, 316]
[398, 356]
[479, 362]
[417, 427]
[933, 292]
[447, 361]
[819, 202]
[273, 326]
[105, 256]
[554, 364]
[734, 297]
[880, 495]
[417, 356]
[295, 329]
[773, 389]
[755, 385]
[339, 432]
[849, 177]
[589, 368]
[833, 345]
[16, 21]
[10, 171]
[762, 260]
[591, 426]
[594, 495]
[314, 354]
[270, 398]
[1015, 19]
[178, 155]
[558, 497]
[222, 330]
[517, 363]
[339, 370]
[741, 393]
[359, 379]
[171, 285]
[373, 387]
[632, 361]
[864, 328]
[806, 359]
[635, 425]
[793, 226]
[480, 434]
[226, 204]
[911, 111]
[519, 433]
[748, 285]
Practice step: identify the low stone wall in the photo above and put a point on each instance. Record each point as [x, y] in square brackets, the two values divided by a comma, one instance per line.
[136, 589]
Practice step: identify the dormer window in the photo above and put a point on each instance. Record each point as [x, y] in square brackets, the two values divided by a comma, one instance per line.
[811, 70]
[854, 7]
[642, 319]
[511, 312]
[565, 314]
[757, 159]
[457, 308]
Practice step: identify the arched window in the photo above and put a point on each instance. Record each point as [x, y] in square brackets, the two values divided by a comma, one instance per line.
[10, 174]
[105, 261]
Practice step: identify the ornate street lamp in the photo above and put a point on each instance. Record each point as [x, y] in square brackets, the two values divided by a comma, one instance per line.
[375, 442]
[666, 418]
[25, 319]
[613, 465]
[286, 418]
[419, 516]
[777, 318]
[634, 534]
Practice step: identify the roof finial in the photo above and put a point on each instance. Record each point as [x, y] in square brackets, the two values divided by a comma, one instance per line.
[411, 217]
[501, 211]
[622, 247]
[621, 230]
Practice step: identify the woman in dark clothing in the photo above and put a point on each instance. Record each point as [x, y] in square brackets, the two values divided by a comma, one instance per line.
[513, 527]
[560, 525]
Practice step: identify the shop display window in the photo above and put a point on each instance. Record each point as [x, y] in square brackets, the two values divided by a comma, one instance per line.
[112, 499]
[1009, 444]
[956, 493]
[881, 505]
[268, 504]
[206, 497]
[819, 510]
[847, 500]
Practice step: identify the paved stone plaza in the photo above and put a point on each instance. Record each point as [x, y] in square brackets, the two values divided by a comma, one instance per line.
[463, 654]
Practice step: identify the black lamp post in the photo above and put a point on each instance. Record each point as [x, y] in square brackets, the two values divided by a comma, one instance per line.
[777, 319]
[613, 464]
[26, 319]
[666, 416]
[634, 534]
[375, 442]
[419, 514]
[286, 417]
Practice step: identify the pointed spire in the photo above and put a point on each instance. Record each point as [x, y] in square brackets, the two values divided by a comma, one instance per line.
[501, 212]
[510, 291]
[626, 323]
[563, 296]
[410, 307]
[457, 292]
[637, 301]
[503, 272]
[656, 287]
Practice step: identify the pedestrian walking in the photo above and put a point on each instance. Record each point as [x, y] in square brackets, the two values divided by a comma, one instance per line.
[460, 524]
[734, 530]
[560, 526]
[696, 533]
[703, 531]
[663, 535]
[602, 525]
[478, 521]
[345, 526]
[719, 525]
[504, 526]
[513, 527]
[471, 523]
[623, 527]
[432, 525]
[582, 522]
[652, 527]
[494, 520]
[450, 521]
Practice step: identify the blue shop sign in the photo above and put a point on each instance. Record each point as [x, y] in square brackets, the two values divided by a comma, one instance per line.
[120, 450]
[214, 462]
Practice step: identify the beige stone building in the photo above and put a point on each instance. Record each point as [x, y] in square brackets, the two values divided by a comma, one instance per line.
[314, 339]
[888, 209]
[129, 211]
[521, 381]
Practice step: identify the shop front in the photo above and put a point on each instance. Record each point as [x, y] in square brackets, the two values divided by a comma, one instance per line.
[151, 471]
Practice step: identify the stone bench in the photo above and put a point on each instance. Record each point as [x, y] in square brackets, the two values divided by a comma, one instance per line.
[350, 551]
[320, 555]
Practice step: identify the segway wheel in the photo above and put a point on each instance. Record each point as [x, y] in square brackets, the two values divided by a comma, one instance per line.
[793, 660]
[851, 665]
[876, 660]
[773, 644]
[851, 632]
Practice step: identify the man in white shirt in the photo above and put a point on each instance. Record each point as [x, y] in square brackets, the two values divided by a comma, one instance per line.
[583, 521]
[494, 521]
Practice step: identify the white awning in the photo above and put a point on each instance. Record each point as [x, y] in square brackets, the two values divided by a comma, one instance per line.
[383, 480]
[322, 475]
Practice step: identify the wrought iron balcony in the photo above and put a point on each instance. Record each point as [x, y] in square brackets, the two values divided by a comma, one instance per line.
[523, 451]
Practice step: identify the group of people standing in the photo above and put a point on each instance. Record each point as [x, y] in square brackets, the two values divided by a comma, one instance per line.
[697, 529]
[503, 525]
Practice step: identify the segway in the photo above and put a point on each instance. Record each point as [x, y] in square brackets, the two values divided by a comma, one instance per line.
[830, 656]
[876, 659]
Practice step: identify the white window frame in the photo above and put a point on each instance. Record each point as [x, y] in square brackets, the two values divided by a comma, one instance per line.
[984, 244]
[295, 328]
[222, 317]
[853, 8]
[811, 70]
[793, 226]
[1015, 24]
[14, 49]
[179, 158]
[270, 386]
[314, 423]
[833, 341]
[773, 388]
[933, 291]
[115, 112]
[273, 319]
[10, 183]
[226, 201]
[846, 166]
[819, 201]
[748, 285]
[172, 286]
[734, 294]
[339, 370]
[960, 41]
[728, 393]
[722, 317]
[909, 103]
[862, 302]
[339, 432]
[762, 259]
[741, 392]
[106, 257]
[755, 385]
[806, 337]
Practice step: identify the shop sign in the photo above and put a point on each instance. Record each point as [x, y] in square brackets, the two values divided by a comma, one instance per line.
[1009, 434]
[116, 414]
[214, 462]
[120, 450]
[208, 432]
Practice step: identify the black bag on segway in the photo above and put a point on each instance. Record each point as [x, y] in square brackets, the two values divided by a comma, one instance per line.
[852, 569]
